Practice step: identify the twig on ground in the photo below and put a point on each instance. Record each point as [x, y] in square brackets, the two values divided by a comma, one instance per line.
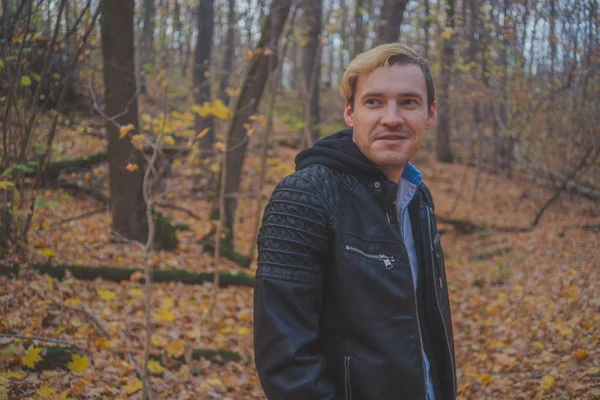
[87, 313]
[77, 217]
[180, 208]
[37, 339]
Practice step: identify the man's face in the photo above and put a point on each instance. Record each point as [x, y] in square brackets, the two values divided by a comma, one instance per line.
[390, 116]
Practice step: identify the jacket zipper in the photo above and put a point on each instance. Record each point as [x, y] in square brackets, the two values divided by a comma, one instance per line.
[414, 290]
[437, 299]
[387, 261]
[347, 385]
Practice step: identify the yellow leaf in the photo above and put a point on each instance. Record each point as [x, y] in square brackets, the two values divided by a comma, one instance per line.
[13, 375]
[45, 391]
[155, 368]
[202, 110]
[7, 351]
[103, 343]
[250, 132]
[31, 357]
[136, 292]
[203, 133]
[518, 289]
[25, 80]
[267, 52]
[73, 301]
[176, 163]
[547, 382]
[243, 331]
[63, 395]
[219, 110]
[538, 345]
[6, 184]
[164, 315]
[219, 146]
[447, 33]
[124, 130]
[131, 167]
[49, 253]
[484, 378]
[4, 388]
[175, 349]
[169, 140]
[78, 363]
[133, 387]
[168, 302]
[138, 141]
[581, 354]
[214, 381]
[106, 294]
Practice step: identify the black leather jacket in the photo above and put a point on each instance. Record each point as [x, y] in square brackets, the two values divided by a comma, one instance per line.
[335, 310]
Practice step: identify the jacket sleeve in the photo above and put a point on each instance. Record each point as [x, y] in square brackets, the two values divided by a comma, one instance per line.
[292, 248]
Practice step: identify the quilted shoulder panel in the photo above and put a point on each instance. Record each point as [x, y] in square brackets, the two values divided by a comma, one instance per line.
[294, 236]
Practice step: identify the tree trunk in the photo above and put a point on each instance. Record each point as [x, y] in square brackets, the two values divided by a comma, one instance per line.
[178, 35]
[204, 26]
[442, 145]
[553, 40]
[426, 27]
[247, 104]
[127, 202]
[359, 32]
[311, 63]
[392, 13]
[147, 42]
[227, 69]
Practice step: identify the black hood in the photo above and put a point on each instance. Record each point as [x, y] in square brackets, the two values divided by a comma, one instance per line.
[339, 152]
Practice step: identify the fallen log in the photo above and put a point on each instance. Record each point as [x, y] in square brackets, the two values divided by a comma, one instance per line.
[58, 358]
[228, 252]
[124, 274]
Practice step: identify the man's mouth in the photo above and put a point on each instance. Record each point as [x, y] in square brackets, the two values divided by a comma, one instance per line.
[391, 137]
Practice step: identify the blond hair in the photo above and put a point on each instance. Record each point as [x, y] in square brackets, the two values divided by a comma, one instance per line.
[385, 55]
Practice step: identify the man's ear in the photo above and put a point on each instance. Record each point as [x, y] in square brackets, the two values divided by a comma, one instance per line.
[431, 116]
[349, 115]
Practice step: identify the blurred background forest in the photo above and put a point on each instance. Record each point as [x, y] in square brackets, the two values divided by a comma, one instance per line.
[142, 138]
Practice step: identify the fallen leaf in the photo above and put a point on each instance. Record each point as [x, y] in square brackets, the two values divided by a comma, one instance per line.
[547, 382]
[78, 363]
[133, 387]
[32, 356]
[106, 294]
[155, 368]
[45, 391]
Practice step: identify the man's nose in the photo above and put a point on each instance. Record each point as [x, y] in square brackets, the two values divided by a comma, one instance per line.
[392, 115]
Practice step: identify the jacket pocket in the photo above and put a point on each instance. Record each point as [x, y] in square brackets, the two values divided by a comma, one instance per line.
[387, 261]
[347, 383]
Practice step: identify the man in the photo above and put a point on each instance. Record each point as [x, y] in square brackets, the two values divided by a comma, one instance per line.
[350, 298]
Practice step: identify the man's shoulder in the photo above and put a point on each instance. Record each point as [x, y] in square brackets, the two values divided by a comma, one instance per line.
[318, 177]
[321, 183]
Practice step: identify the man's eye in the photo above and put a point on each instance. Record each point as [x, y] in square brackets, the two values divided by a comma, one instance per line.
[372, 102]
[410, 102]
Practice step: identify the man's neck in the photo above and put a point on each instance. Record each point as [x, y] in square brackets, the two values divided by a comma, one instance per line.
[393, 173]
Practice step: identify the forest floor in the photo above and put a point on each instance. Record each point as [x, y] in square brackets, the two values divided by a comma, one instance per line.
[526, 306]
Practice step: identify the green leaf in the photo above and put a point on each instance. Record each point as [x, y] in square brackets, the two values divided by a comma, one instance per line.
[36, 76]
[1, 65]
[23, 167]
[40, 203]
[25, 80]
